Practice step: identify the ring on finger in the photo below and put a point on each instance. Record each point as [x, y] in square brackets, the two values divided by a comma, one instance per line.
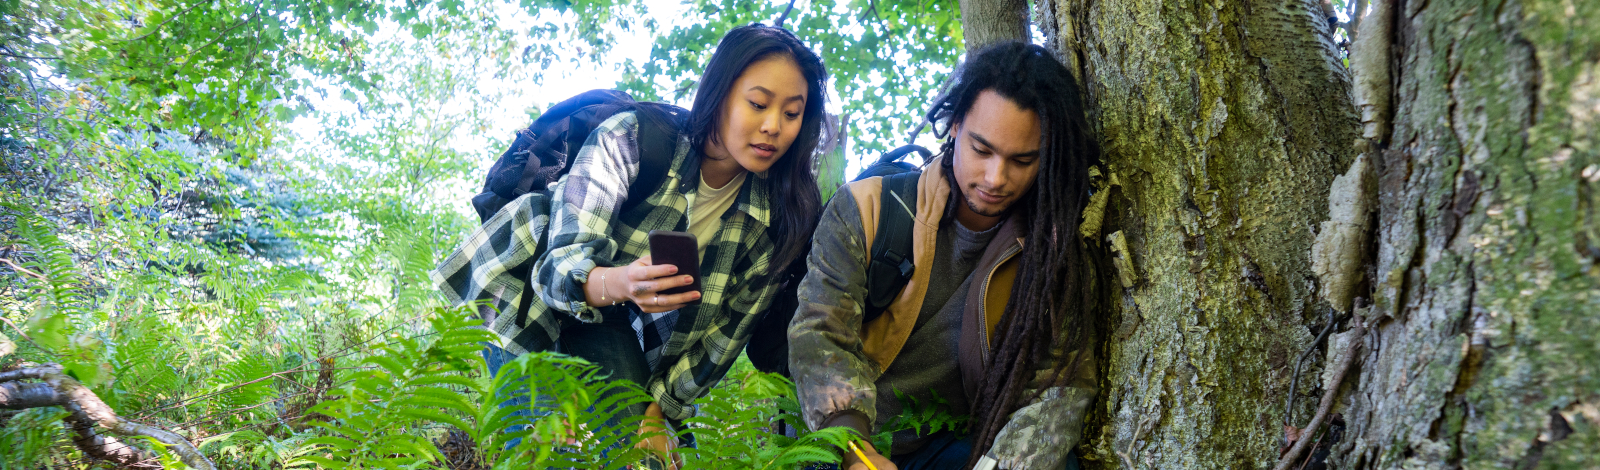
[658, 300]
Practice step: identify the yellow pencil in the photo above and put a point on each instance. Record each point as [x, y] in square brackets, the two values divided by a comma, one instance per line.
[861, 455]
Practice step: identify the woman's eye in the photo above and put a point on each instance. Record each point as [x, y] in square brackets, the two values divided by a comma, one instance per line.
[758, 106]
[792, 116]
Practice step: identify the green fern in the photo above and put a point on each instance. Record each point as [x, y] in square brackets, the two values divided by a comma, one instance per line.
[733, 428]
[51, 259]
[377, 421]
[565, 427]
[924, 418]
[29, 436]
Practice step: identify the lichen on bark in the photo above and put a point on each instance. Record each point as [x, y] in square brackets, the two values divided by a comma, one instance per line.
[1224, 123]
[1487, 279]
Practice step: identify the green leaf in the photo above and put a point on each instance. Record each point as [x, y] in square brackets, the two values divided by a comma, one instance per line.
[48, 328]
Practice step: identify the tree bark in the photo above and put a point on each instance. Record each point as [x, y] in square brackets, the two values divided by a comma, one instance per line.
[1223, 125]
[1486, 291]
[985, 22]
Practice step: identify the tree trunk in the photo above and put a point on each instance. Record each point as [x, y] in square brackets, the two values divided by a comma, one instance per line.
[1486, 292]
[985, 22]
[1223, 124]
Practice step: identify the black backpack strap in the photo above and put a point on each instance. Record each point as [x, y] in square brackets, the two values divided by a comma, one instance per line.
[658, 141]
[889, 163]
[891, 266]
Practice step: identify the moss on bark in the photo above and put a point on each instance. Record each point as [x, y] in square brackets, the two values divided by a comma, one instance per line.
[1225, 123]
[1490, 294]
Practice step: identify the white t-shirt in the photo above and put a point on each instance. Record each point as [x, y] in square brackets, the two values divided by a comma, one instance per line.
[706, 206]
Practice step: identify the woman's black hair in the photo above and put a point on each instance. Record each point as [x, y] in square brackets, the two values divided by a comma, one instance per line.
[1049, 307]
[797, 202]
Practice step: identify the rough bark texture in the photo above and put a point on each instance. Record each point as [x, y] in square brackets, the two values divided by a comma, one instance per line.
[985, 22]
[1224, 124]
[1487, 294]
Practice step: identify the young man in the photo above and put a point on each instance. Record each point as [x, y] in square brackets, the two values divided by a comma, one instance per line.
[996, 306]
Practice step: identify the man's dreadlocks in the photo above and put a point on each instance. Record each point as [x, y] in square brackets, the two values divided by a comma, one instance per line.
[1050, 299]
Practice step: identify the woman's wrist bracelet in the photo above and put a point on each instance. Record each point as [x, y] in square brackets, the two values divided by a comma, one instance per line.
[603, 289]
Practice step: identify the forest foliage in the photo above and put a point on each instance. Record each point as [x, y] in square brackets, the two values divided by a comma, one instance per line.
[169, 238]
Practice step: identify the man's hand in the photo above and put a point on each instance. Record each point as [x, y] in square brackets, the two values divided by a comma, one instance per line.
[657, 440]
[851, 462]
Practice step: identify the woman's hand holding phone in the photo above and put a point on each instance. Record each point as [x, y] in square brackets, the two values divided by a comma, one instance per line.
[641, 283]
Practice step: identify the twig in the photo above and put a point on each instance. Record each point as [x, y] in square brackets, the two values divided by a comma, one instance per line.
[346, 351]
[918, 131]
[1127, 461]
[784, 16]
[19, 331]
[1328, 397]
[1294, 383]
[872, 10]
[203, 419]
[23, 270]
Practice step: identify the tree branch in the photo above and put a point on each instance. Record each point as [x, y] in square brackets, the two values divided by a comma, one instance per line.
[86, 410]
[1354, 25]
[784, 16]
[21, 396]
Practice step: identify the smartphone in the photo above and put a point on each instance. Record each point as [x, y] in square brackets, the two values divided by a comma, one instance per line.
[678, 249]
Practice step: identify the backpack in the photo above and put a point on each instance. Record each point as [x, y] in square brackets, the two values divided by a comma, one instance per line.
[544, 151]
[887, 273]
[890, 267]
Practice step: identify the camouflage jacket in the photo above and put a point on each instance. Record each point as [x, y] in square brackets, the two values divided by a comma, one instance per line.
[837, 360]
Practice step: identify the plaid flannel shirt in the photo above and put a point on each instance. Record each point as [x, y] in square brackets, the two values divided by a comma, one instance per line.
[690, 349]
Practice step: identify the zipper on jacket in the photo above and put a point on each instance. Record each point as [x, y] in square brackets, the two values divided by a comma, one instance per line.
[983, 311]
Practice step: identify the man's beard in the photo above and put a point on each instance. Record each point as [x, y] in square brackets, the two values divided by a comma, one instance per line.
[975, 210]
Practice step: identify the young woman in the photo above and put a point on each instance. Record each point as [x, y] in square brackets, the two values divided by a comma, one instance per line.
[740, 181]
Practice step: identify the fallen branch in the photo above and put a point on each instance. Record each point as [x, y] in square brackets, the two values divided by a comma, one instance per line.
[85, 411]
[1328, 397]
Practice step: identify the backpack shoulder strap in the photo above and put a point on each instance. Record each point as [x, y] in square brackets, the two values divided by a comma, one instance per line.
[890, 267]
[658, 141]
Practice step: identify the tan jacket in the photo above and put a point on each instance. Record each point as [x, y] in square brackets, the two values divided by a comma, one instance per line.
[884, 337]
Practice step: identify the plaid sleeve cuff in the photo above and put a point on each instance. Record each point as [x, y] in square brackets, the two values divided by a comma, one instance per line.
[572, 288]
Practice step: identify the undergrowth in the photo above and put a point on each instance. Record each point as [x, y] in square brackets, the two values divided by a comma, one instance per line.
[262, 292]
